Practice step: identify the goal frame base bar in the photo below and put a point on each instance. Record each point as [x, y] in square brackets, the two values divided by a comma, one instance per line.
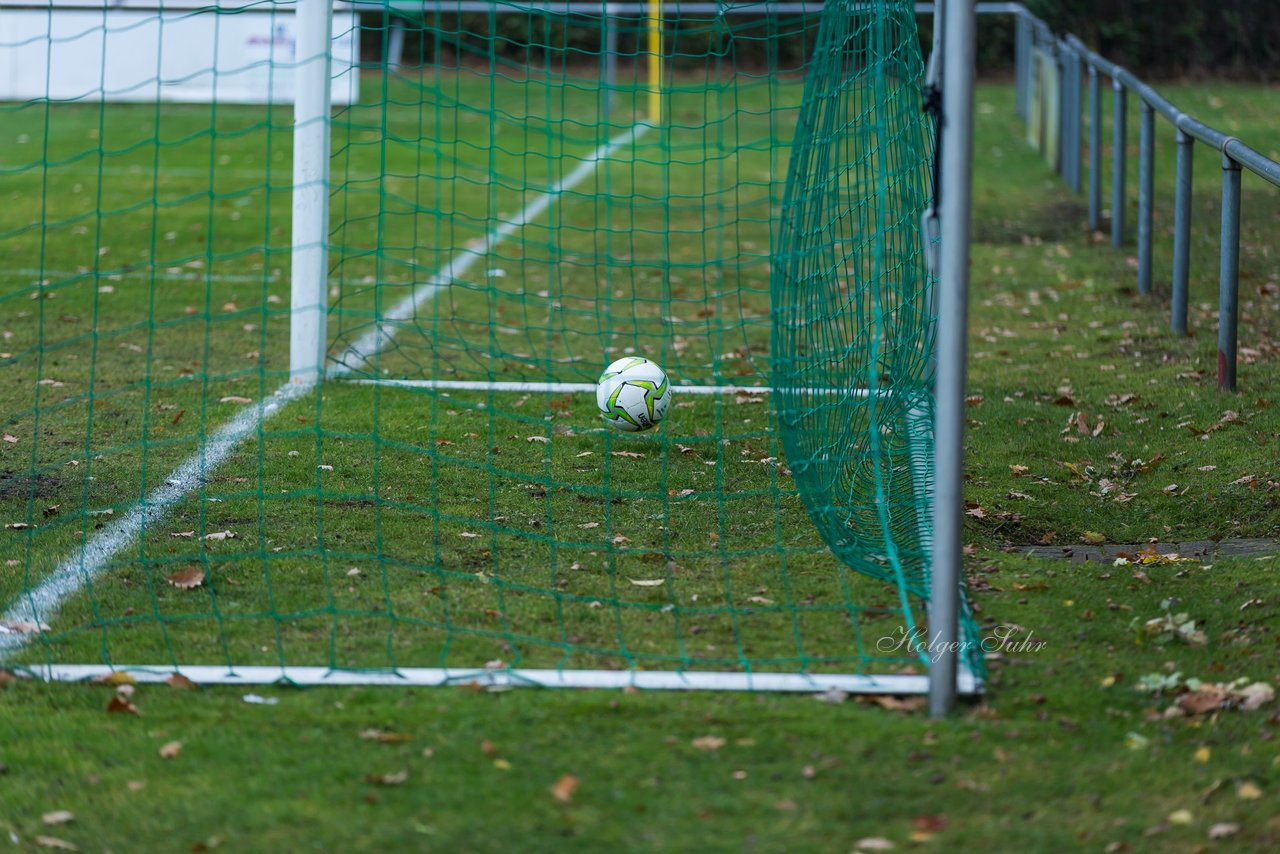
[656, 680]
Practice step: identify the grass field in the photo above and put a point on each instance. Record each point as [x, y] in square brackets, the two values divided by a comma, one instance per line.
[1064, 754]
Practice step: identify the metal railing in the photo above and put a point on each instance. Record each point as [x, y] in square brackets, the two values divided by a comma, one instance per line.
[1075, 62]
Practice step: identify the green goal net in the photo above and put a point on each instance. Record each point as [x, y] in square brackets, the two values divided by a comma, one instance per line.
[302, 343]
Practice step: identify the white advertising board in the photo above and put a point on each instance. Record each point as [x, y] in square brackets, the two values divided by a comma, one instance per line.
[127, 53]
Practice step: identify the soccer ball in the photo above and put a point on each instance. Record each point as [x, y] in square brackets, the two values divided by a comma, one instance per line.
[633, 394]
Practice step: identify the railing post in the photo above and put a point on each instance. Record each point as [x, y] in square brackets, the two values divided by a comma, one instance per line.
[395, 44]
[1022, 63]
[1229, 274]
[1095, 150]
[1182, 232]
[1146, 193]
[1120, 110]
[1075, 118]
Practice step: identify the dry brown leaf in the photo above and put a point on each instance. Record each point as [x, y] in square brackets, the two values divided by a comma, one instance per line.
[627, 454]
[58, 817]
[177, 680]
[383, 736]
[1248, 791]
[6, 677]
[564, 788]
[221, 535]
[468, 535]
[186, 579]
[708, 742]
[170, 750]
[894, 704]
[187, 534]
[121, 704]
[55, 842]
[1204, 700]
[235, 398]
[1252, 696]
[647, 582]
[925, 826]
[589, 525]
[393, 779]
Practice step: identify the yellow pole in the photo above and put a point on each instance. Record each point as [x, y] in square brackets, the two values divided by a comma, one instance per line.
[655, 61]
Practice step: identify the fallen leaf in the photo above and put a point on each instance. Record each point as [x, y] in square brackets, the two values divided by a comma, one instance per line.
[6, 677]
[832, 695]
[873, 843]
[115, 677]
[260, 701]
[1202, 754]
[1093, 538]
[1223, 829]
[1180, 817]
[12, 440]
[1204, 700]
[647, 582]
[119, 703]
[894, 704]
[468, 535]
[171, 750]
[233, 398]
[187, 534]
[708, 742]
[393, 779]
[55, 842]
[586, 525]
[564, 788]
[185, 579]
[177, 680]
[22, 627]
[1255, 695]
[1248, 791]
[925, 826]
[383, 736]
[627, 454]
[542, 439]
[58, 817]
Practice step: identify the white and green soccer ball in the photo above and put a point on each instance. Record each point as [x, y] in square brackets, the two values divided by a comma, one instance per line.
[633, 394]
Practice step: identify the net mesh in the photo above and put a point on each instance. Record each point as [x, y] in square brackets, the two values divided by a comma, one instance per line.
[514, 203]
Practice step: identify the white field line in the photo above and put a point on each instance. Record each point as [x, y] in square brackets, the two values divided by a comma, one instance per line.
[556, 388]
[568, 388]
[38, 605]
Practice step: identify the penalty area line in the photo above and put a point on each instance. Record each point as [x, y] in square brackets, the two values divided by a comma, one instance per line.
[35, 607]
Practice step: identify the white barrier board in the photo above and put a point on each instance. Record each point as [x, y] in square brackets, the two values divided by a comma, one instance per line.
[175, 54]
